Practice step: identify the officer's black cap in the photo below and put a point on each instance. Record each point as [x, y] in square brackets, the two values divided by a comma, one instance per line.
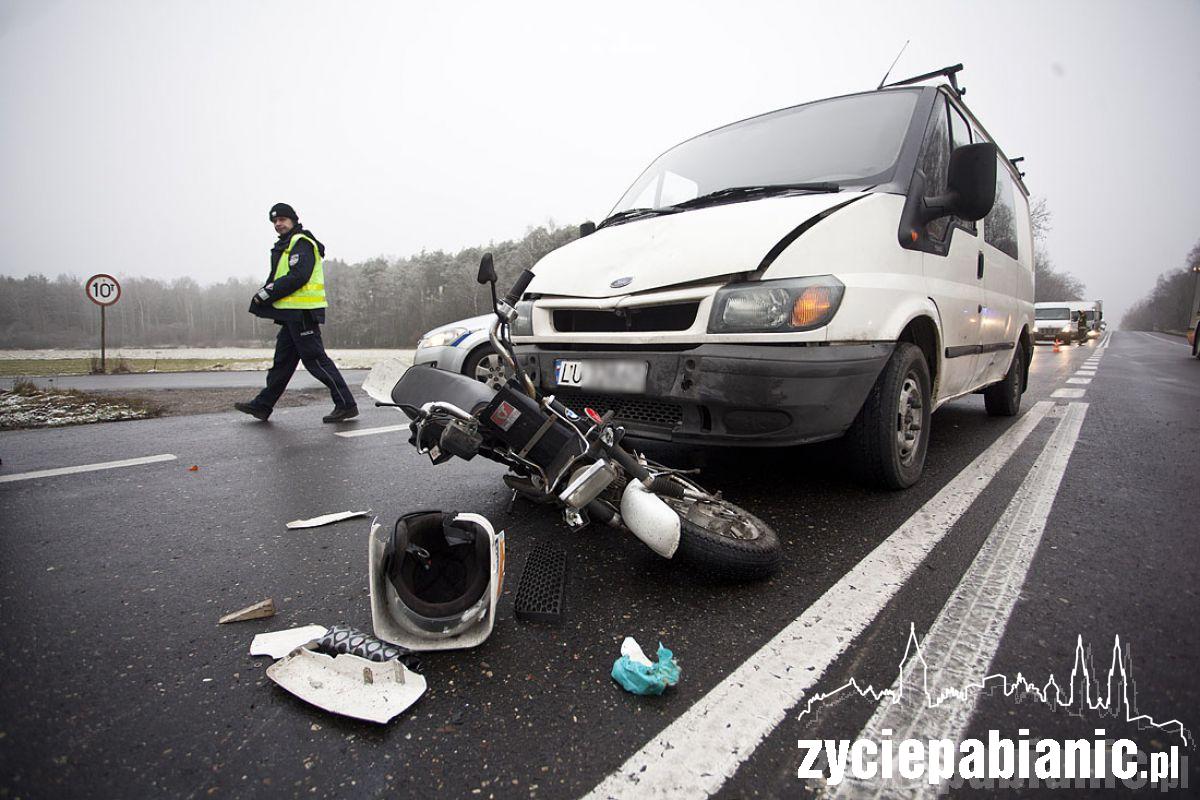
[283, 210]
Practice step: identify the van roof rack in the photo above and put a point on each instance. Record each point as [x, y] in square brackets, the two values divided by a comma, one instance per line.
[950, 73]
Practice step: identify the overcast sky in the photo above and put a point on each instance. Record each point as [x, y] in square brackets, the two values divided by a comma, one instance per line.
[151, 138]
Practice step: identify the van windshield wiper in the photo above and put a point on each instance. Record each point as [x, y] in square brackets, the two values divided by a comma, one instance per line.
[731, 194]
[636, 213]
[735, 193]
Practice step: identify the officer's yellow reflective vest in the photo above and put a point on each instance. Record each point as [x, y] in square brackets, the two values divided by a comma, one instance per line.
[311, 294]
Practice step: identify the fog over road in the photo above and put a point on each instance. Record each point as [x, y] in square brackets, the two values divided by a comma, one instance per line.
[1076, 519]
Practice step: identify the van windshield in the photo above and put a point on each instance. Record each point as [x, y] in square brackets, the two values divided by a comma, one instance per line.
[1052, 313]
[845, 140]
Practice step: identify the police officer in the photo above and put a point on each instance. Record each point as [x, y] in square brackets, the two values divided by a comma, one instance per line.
[294, 296]
[1082, 326]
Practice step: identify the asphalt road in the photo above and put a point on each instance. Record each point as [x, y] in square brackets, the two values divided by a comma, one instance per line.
[117, 682]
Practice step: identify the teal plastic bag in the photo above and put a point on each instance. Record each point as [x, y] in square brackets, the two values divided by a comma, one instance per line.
[634, 672]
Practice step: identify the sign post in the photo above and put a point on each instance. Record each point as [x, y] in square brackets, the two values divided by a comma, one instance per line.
[103, 290]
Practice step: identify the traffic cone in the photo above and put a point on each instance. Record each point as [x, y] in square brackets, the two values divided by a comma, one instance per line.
[1057, 349]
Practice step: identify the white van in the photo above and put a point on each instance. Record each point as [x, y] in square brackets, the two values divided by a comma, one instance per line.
[1058, 320]
[840, 267]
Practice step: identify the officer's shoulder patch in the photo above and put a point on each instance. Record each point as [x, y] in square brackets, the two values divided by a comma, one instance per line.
[294, 260]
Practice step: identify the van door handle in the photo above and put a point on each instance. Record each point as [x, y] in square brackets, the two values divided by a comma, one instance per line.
[979, 271]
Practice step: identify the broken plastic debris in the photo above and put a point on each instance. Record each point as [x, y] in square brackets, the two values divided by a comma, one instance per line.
[635, 673]
[264, 608]
[193, 468]
[328, 519]
[344, 639]
[278, 644]
[349, 685]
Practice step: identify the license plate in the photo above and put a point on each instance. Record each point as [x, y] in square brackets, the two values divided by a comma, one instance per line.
[611, 376]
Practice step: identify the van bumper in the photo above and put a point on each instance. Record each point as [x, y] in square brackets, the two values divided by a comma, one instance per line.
[729, 394]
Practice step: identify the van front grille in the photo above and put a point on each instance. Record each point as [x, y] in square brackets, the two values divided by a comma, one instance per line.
[628, 409]
[671, 317]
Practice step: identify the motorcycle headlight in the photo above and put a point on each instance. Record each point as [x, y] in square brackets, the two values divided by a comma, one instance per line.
[449, 336]
[782, 306]
[523, 324]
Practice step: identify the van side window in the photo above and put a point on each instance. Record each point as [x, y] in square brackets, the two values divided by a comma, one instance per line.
[960, 131]
[1000, 225]
[935, 163]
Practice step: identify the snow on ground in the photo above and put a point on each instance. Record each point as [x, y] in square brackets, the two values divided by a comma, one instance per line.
[261, 356]
[53, 409]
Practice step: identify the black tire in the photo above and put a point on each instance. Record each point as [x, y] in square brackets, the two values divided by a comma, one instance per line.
[724, 557]
[890, 435]
[484, 365]
[722, 540]
[1003, 399]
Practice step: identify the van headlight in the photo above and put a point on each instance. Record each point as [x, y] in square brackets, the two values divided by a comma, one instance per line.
[523, 324]
[449, 336]
[782, 306]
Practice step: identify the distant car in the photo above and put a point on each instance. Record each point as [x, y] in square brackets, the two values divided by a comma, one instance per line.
[463, 346]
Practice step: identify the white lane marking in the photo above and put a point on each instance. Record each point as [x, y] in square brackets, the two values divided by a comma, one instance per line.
[1087, 373]
[964, 638]
[50, 473]
[1159, 337]
[1084, 381]
[372, 431]
[702, 748]
[1072, 394]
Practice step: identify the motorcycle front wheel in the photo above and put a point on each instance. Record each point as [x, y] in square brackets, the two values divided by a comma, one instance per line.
[724, 540]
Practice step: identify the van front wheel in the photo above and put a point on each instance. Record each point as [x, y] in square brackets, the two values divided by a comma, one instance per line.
[889, 436]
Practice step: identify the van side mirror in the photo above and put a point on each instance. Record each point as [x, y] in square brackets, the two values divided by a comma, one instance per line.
[587, 229]
[971, 185]
[487, 270]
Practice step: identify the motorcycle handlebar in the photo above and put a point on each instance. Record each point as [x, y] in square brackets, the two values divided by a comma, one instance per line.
[518, 288]
[627, 462]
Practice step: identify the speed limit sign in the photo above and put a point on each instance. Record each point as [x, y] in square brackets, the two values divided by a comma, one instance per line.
[103, 290]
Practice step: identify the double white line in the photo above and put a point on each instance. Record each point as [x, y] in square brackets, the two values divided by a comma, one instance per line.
[964, 638]
[697, 753]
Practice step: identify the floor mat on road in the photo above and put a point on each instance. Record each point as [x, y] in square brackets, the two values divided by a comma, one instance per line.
[540, 592]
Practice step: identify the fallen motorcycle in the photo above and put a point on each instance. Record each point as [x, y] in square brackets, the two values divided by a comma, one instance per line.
[578, 464]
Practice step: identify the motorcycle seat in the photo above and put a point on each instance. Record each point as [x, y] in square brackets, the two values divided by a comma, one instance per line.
[420, 385]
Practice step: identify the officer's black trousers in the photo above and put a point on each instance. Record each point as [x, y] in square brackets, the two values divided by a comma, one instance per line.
[300, 342]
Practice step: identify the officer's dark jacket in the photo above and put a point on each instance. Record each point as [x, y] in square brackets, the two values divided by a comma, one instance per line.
[298, 275]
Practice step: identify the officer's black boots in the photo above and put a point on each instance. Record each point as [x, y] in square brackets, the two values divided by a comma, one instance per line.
[340, 414]
[258, 412]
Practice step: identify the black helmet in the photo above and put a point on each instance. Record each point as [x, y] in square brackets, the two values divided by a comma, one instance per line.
[436, 580]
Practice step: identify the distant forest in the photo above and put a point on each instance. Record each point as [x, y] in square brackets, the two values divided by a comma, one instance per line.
[376, 303]
[1168, 306]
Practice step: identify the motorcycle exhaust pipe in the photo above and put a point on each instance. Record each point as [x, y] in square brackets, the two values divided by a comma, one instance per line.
[650, 519]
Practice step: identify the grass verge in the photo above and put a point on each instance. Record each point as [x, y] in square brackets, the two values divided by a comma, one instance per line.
[28, 405]
[10, 367]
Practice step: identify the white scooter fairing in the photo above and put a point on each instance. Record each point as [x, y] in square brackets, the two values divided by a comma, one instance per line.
[650, 519]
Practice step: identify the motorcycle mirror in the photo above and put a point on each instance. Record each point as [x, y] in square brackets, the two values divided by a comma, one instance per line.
[487, 270]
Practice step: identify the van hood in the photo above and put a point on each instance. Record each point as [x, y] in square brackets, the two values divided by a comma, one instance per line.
[676, 248]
